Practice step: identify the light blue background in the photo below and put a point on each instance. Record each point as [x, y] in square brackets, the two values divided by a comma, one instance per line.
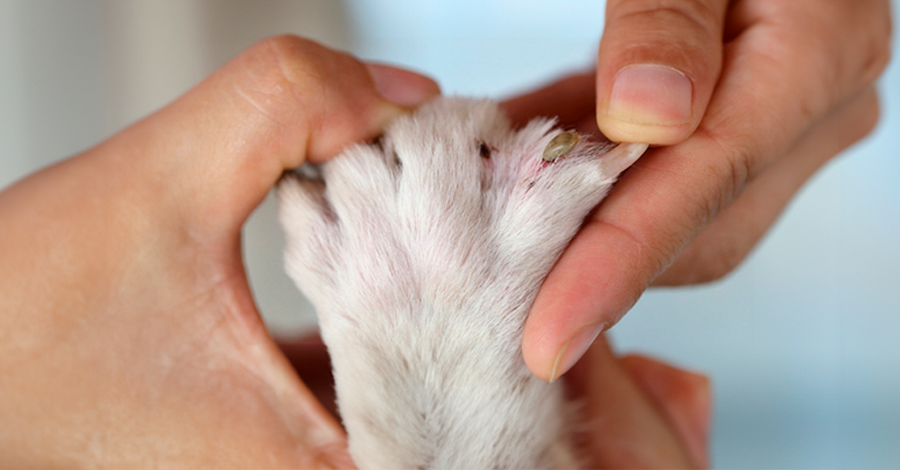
[801, 342]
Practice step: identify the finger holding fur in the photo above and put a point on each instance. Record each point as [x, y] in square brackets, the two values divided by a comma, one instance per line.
[213, 154]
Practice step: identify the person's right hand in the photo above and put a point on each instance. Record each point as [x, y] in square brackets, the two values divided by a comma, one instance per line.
[750, 97]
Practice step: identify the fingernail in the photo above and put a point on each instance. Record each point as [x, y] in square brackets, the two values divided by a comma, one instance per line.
[572, 351]
[402, 87]
[651, 94]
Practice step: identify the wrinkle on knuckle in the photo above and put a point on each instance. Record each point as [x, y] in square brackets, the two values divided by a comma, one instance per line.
[709, 266]
[298, 64]
[854, 124]
[640, 245]
[878, 52]
[697, 209]
[641, 249]
[720, 262]
[288, 69]
[863, 42]
[261, 80]
[842, 49]
[732, 172]
[698, 14]
[873, 20]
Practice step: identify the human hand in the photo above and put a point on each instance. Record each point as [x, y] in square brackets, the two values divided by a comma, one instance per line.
[756, 95]
[129, 334]
[640, 412]
[636, 412]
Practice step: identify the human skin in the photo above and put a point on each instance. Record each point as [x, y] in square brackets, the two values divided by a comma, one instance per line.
[750, 99]
[128, 334]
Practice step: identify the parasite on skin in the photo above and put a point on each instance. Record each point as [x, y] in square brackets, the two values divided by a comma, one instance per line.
[560, 145]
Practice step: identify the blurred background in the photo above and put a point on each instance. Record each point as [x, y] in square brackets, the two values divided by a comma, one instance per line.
[802, 342]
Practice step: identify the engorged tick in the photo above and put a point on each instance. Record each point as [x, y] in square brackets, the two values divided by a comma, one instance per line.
[560, 145]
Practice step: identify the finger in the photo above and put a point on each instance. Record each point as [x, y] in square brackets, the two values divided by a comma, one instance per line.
[672, 193]
[568, 99]
[728, 239]
[683, 398]
[657, 66]
[217, 150]
[623, 428]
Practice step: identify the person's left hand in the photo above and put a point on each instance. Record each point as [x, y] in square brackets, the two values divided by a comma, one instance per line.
[128, 333]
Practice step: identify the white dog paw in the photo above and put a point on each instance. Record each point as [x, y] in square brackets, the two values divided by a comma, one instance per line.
[422, 254]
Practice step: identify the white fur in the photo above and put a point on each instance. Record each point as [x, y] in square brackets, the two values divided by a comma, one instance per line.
[422, 259]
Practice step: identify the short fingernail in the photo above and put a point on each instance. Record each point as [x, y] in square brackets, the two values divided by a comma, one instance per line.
[402, 87]
[572, 351]
[651, 94]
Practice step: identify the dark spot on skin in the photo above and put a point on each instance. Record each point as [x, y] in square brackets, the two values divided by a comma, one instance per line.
[522, 384]
[404, 363]
[378, 142]
[484, 150]
[386, 150]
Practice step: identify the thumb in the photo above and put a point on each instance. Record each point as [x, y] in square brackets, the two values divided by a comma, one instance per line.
[216, 151]
[657, 66]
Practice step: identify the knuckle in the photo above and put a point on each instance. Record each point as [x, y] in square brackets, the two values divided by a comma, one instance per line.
[871, 114]
[711, 263]
[690, 389]
[719, 263]
[298, 60]
[737, 174]
[878, 52]
[857, 120]
[735, 165]
[698, 14]
[271, 67]
[294, 66]
[702, 263]
[870, 22]
[291, 76]
[285, 42]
